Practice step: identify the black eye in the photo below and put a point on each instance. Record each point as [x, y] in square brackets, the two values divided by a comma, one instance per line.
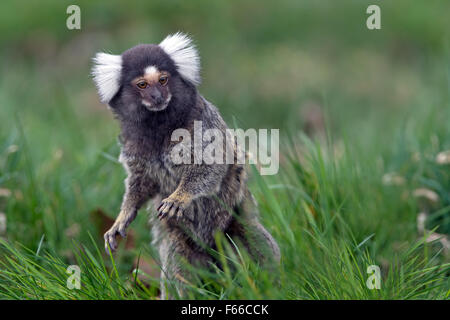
[163, 80]
[142, 84]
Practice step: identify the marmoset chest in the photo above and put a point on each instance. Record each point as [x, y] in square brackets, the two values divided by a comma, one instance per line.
[151, 163]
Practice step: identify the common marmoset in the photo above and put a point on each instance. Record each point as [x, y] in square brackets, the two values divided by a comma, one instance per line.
[152, 91]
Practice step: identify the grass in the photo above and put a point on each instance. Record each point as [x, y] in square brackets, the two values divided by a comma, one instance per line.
[345, 197]
[332, 216]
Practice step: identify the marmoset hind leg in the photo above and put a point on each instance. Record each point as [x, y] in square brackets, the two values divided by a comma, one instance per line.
[176, 251]
[177, 248]
[248, 231]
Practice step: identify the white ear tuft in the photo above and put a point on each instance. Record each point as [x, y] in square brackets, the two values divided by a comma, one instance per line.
[106, 72]
[180, 48]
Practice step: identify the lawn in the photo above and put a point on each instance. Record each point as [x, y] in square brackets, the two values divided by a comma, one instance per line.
[364, 119]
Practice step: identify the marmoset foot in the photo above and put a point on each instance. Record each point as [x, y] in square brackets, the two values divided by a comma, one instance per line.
[119, 228]
[173, 206]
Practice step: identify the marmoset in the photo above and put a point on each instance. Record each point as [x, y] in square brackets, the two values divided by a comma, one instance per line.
[152, 91]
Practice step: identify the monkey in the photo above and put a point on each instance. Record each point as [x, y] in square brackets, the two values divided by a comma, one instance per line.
[152, 91]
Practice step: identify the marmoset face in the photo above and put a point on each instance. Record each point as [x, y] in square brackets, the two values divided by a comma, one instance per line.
[146, 78]
[153, 89]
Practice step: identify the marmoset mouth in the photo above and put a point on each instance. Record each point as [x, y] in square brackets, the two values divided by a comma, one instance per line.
[152, 107]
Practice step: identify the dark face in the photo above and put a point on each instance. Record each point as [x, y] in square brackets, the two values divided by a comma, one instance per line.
[153, 89]
[148, 82]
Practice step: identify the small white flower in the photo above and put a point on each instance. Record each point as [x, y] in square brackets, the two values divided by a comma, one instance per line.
[393, 179]
[443, 157]
[2, 223]
[5, 192]
[427, 194]
[12, 148]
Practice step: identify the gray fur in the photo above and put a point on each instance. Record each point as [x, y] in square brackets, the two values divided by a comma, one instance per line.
[192, 201]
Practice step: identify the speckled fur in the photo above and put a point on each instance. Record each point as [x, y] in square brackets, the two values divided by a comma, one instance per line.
[211, 197]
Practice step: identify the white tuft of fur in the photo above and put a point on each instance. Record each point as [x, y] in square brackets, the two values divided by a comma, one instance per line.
[151, 70]
[182, 51]
[106, 72]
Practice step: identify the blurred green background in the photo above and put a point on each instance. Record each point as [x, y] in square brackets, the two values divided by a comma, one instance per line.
[300, 66]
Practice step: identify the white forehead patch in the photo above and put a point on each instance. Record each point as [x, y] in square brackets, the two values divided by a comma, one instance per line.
[151, 71]
[180, 48]
[106, 72]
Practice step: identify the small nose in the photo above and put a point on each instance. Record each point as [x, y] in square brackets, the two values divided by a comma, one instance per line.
[156, 96]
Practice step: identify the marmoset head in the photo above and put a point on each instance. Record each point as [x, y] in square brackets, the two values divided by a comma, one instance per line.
[146, 78]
